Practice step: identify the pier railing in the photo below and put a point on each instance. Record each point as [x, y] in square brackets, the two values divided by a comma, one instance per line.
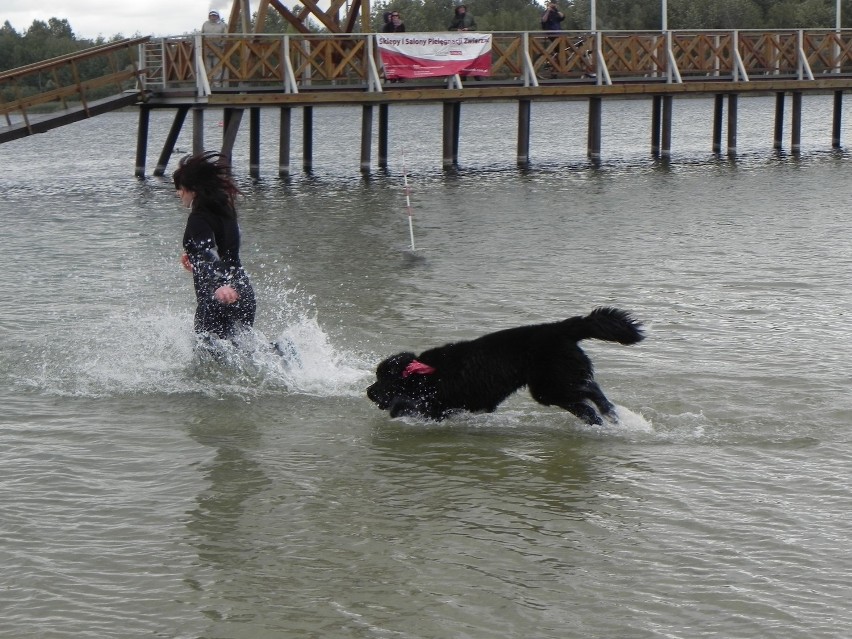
[306, 62]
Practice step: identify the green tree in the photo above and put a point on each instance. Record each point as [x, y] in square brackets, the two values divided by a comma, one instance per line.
[275, 22]
[807, 14]
[11, 47]
[507, 15]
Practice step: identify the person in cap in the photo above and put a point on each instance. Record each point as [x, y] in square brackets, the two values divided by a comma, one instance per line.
[214, 26]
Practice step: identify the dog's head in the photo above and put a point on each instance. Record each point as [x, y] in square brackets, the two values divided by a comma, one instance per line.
[390, 383]
[403, 386]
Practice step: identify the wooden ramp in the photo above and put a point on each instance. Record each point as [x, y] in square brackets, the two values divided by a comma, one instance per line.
[45, 95]
[46, 121]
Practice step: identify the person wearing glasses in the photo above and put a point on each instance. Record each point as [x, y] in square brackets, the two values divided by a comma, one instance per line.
[394, 23]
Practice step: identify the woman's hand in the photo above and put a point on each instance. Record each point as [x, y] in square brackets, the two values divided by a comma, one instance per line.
[226, 294]
[184, 262]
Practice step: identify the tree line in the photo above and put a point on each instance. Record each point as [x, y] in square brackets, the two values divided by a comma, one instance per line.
[626, 15]
[42, 40]
[45, 40]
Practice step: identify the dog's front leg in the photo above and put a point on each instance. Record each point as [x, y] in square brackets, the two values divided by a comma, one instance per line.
[403, 406]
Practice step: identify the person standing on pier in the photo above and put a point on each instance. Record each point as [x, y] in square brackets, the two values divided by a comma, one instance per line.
[223, 292]
[394, 23]
[551, 19]
[462, 20]
[212, 27]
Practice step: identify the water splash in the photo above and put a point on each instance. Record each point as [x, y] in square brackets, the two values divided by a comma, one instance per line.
[157, 352]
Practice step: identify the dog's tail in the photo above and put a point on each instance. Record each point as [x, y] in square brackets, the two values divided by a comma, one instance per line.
[608, 324]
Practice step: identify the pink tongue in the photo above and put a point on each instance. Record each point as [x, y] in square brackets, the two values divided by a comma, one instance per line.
[417, 368]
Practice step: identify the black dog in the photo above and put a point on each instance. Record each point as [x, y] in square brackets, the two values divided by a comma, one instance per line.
[479, 374]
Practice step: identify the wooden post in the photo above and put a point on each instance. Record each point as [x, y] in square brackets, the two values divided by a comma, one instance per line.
[796, 141]
[233, 118]
[284, 143]
[142, 140]
[456, 130]
[718, 111]
[254, 142]
[835, 124]
[197, 130]
[449, 144]
[594, 137]
[524, 112]
[383, 135]
[366, 136]
[777, 143]
[307, 139]
[666, 141]
[656, 113]
[171, 139]
[732, 124]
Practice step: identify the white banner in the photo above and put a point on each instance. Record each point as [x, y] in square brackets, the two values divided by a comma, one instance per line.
[426, 55]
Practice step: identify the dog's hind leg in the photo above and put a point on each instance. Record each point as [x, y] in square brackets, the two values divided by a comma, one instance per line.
[571, 395]
[596, 395]
[584, 412]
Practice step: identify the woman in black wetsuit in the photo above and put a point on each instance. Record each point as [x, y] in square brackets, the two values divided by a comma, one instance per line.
[211, 242]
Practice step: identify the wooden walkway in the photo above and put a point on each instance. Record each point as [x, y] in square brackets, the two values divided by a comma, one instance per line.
[237, 72]
[39, 97]
[327, 68]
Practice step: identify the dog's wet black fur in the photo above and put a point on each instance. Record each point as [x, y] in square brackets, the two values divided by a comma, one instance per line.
[478, 375]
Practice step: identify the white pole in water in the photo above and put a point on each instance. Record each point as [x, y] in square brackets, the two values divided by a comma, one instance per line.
[408, 201]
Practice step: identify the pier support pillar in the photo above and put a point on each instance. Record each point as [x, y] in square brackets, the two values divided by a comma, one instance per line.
[666, 139]
[733, 99]
[232, 119]
[254, 142]
[452, 112]
[718, 111]
[197, 130]
[171, 139]
[836, 117]
[366, 136]
[594, 139]
[456, 130]
[284, 142]
[307, 139]
[142, 140]
[796, 134]
[383, 135]
[656, 119]
[777, 143]
[524, 112]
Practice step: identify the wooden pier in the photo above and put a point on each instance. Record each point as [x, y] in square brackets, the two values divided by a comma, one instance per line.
[253, 71]
[311, 71]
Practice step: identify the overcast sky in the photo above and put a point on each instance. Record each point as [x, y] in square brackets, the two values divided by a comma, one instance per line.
[91, 18]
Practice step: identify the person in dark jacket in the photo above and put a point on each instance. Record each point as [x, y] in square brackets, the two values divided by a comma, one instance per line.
[394, 23]
[551, 19]
[223, 292]
[462, 20]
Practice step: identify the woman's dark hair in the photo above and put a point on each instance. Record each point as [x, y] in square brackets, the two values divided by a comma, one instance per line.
[208, 175]
[461, 6]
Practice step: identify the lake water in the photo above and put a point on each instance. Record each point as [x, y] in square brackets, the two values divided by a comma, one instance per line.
[146, 492]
